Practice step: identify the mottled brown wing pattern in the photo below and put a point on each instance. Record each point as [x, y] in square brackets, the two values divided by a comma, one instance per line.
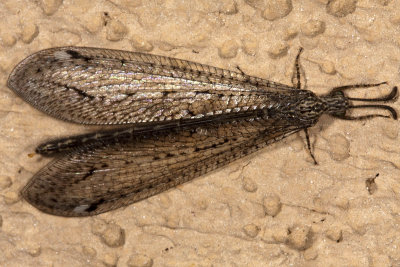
[101, 177]
[187, 119]
[102, 86]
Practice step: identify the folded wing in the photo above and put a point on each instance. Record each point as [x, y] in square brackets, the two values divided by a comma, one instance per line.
[108, 174]
[102, 86]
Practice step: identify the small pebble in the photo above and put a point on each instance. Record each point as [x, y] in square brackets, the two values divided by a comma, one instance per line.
[110, 234]
[50, 7]
[327, 67]
[290, 33]
[29, 32]
[278, 50]
[110, 260]
[334, 234]
[299, 237]
[165, 46]
[280, 235]
[99, 226]
[140, 260]
[116, 31]
[229, 49]
[251, 230]
[272, 205]
[10, 197]
[89, 251]
[32, 248]
[341, 8]
[114, 236]
[371, 185]
[228, 7]
[277, 9]
[140, 44]
[250, 45]
[310, 254]
[339, 147]
[249, 185]
[94, 22]
[313, 28]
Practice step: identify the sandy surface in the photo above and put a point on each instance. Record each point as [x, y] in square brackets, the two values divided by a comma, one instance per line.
[274, 208]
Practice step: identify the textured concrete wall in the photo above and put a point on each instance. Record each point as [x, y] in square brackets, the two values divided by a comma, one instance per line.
[274, 208]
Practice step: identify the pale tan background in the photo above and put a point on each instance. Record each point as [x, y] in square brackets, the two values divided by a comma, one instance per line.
[274, 208]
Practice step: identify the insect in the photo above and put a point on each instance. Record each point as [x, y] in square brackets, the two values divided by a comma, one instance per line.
[182, 119]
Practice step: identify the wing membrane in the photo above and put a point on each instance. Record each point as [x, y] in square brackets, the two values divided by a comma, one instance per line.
[101, 86]
[105, 176]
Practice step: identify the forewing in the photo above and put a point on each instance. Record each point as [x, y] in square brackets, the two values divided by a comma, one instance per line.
[107, 176]
[102, 86]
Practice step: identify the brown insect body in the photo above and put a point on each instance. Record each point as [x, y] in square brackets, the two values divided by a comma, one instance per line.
[183, 119]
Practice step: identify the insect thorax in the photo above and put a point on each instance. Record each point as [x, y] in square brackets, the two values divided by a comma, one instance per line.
[304, 107]
[336, 104]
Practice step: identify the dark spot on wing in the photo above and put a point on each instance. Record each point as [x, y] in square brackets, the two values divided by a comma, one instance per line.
[76, 55]
[95, 205]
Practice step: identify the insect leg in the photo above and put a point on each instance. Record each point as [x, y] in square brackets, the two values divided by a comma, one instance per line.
[309, 146]
[296, 78]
